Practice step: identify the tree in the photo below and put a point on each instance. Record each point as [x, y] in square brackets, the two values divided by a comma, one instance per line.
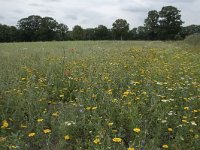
[120, 28]
[151, 24]
[28, 27]
[132, 34]
[141, 33]
[101, 33]
[89, 34]
[61, 32]
[8, 33]
[77, 32]
[47, 30]
[188, 30]
[170, 22]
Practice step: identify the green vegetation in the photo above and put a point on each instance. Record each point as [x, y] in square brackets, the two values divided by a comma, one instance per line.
[99, 95]
[193, 40]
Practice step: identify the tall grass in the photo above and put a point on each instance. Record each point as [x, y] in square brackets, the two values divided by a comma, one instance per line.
[99, 95]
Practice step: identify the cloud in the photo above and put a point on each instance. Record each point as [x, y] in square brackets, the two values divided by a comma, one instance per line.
[46, 11]
[91, 13]
[2, 17]
[18, 11]
[71, 16]
[35, 5]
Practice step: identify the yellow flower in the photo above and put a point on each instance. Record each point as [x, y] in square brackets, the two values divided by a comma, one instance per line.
[66, 137]
[184, 117]
[170, 129]
[117, 140]
[195, 111]
[137, 130]
[110, 123]
[4, 124]
[186, 108]
[185, 121]
[165, 146]
[13, 147]
[40, 120]
[23, 126]
[97, 141]
[46, 131]
[88, 108]
[130, 148]
[62, 96]
[23, 79]
[109, 91]
[93, 108]
[114, 131]
[31, 134]
[55, 114]
[126, 93]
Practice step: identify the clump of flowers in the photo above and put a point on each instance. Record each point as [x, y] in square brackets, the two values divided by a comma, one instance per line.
[117, 140]
[130, 148]
[40, 120]
[170, 129]
[47, 131]
[4, 124]
[31, 134]
[137, 130]
[67, 137]
[165, 146]
[97, 140]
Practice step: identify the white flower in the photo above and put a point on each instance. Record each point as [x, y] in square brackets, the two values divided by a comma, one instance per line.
[164, 121]
[69, 123]
[193, 123]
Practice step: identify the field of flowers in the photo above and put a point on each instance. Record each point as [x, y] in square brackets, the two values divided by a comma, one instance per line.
[99, 96]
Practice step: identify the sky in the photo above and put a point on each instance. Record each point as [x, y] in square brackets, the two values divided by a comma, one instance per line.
[91, 13]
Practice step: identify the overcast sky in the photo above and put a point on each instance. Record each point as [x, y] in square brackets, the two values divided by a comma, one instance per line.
[91, 13]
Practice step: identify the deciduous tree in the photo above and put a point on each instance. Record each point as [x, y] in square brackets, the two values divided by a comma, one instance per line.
[120, 28]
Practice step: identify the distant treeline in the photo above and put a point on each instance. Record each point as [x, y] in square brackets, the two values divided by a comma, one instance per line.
[163, 25]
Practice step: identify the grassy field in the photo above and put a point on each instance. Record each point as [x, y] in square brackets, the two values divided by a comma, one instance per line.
[99, 96]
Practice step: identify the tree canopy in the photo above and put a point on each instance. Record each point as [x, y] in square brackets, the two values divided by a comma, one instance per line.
[120, 28]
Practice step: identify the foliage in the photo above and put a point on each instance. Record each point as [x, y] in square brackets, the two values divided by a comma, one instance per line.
[36, 28]
[170, 22]
[151, 24]
[8, 33]
[78, 33]
[102, 33]
[189, 30]
[120, 28]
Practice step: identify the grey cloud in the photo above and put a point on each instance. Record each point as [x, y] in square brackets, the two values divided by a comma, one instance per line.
[89, 13]
[2, 17]
[18, 11]
[135, 9]
[71, 16]
[36, 5]
[53, 0]
[179, 1]
[46, 11]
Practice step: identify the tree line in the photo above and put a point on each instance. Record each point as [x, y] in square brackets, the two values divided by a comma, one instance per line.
[165, 24]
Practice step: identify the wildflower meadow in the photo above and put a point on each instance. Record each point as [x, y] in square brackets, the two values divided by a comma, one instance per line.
[99, 95]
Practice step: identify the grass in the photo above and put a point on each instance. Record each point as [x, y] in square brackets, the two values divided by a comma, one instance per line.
[99, 95]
